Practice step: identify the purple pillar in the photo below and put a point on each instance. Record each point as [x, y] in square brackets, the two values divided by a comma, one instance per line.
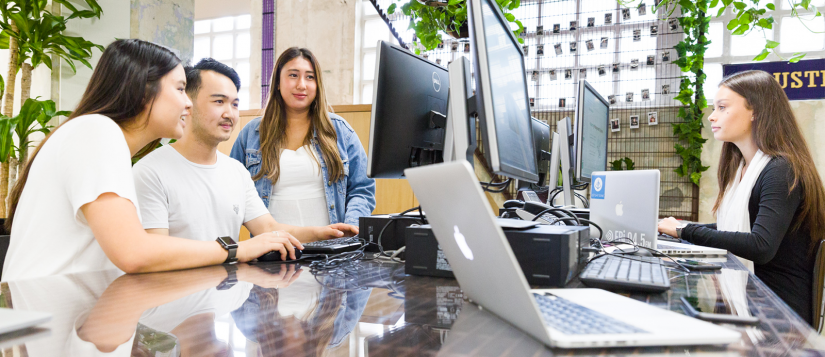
[267, 48]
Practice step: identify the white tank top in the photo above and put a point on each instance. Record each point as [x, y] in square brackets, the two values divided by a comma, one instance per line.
[298, 197]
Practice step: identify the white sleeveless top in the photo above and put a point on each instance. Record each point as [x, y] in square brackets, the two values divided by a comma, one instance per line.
[298, 197]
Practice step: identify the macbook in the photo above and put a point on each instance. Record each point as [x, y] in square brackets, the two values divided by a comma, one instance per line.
[490, 276]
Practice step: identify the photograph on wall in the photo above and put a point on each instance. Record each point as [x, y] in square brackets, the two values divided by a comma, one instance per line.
[573, 46]
[637, 35]
[467, 47]
[573, 25]
[634, 122]
[582, 73]
[651, 60]
[625, 14]
[665, 56]
[628, 97]
[674, 24]
[557, 47]
[526, 49]
[645, 94]
[535, 76]
[615, 68]
[568, 74]
[438, 61]
[562, 101]
[634, 64]
[608, 19]
[454, 46]
[440, 46]
[539, 30]
[654, 30]
[591, 22]
[602, 70]
[532, 102]
[556, 28]
[614, 125]
[665, 88]
[653, 118]
[642, 9]
[540, 50]
[590, 46]
[603, 44]
[425, 56]
[553, 75]
[612, 99]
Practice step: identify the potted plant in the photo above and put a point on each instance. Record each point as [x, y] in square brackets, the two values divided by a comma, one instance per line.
[432, 18]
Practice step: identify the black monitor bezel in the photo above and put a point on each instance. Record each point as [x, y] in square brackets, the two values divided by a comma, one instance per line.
[584, 85]
[484, 101]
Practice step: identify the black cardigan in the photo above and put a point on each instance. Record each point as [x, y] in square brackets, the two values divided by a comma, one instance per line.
[781, 256]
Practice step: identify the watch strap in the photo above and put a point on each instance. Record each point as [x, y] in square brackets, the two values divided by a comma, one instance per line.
[231, 277]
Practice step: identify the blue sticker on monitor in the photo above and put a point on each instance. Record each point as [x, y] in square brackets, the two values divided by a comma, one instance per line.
[597, 185]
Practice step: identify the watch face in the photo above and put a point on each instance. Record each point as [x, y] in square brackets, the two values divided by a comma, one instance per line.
[227, 242]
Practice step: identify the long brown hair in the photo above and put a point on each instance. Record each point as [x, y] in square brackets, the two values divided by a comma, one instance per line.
[124, 83]
[273, 123]
[775, 132]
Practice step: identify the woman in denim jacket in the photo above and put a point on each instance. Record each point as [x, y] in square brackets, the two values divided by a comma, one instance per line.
[308, 164]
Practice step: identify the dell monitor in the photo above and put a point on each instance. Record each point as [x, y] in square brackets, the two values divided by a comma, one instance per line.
[409, 109]
[501, 98]
[541, 140]
[590, 132]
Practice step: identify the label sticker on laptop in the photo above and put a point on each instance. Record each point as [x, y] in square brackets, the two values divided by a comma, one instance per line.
[597, 187]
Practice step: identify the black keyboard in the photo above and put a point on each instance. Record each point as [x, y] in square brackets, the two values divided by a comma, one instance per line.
[634, 273]
[332, 246]
[573, 319]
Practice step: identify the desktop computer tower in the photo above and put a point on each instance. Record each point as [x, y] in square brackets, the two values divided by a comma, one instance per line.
[548, 255]
[369, 228]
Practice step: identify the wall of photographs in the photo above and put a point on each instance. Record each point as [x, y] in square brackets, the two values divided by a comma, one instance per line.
[625, 53]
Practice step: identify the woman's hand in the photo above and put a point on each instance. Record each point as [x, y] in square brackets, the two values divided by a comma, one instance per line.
[264, 243]
[668, 226]
[337, 230]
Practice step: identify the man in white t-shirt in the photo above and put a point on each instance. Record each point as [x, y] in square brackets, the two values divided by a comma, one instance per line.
[188, 189]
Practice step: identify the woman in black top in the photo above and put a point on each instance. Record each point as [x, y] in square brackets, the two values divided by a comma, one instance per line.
[753, 117]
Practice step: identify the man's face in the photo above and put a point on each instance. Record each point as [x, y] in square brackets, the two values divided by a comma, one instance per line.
[215, 110]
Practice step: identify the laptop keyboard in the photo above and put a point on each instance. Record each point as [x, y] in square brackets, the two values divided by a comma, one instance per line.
[634, 273]
[573, 319]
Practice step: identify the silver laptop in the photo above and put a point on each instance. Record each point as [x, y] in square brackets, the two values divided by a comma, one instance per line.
[13, 320]
[626, 204]
[488, 273]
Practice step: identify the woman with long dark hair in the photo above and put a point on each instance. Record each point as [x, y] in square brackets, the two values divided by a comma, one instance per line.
[308, 165]
[771, 203]
[75, 209]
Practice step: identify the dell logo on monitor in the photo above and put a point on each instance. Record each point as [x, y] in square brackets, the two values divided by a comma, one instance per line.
[436, 82]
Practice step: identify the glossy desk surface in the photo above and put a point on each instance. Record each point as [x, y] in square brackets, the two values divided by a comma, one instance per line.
[370, 309]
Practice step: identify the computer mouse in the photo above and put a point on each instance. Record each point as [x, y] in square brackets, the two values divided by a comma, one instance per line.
[513, 204]
[275, 256]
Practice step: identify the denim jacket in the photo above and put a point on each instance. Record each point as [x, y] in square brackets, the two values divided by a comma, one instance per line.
[349, 198]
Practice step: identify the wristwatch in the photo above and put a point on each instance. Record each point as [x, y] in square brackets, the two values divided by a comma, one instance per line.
[231, 247]
[231, 278]
[679, 229]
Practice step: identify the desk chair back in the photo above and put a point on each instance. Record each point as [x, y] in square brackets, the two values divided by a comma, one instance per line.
[819, 287]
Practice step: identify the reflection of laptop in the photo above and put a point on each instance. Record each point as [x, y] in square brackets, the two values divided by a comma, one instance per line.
[626, 204]
[490, 276]
[13, 320]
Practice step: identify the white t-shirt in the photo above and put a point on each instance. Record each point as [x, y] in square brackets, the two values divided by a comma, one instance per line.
[84, 158]
[298, 198]
[200, 202]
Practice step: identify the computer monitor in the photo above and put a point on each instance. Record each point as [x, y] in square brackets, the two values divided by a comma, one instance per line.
[590, 140]
[541, 140]
[409, 109]
[501, 99]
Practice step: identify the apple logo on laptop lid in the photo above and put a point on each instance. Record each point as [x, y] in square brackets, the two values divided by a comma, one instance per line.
[619, 209]
[462, 244]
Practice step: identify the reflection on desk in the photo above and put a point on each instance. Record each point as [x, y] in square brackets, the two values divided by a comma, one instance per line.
[370, 308]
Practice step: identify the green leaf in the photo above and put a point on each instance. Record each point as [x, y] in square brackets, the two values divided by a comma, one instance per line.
[732, 24]
[771, 44]
[740, 30]
[391, 9]
[771, 6]
[713, 3]
[762, 55]
[805, 4]
[739, 5]
[510, 17]
[797, 56]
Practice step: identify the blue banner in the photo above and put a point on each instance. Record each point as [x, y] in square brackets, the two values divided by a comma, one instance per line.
[801, 80]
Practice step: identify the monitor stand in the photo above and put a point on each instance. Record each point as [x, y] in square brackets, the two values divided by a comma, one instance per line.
[460, 136]
[560, 152]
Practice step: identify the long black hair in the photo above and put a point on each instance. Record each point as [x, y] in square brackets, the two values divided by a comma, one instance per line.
[124, 83]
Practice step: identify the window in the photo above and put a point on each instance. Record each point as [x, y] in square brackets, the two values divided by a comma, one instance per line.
[793, 34]
[227, 39]
[372, 29]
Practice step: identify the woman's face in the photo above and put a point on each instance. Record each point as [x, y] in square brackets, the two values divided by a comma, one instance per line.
[731, 119]
[170, 106]
[297, 84]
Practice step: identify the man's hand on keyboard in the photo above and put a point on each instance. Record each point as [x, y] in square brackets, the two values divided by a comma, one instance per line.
[336, 230]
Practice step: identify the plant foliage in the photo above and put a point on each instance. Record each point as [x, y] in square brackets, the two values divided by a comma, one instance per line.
[616, 165]
[435, 18]
[34, 117]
